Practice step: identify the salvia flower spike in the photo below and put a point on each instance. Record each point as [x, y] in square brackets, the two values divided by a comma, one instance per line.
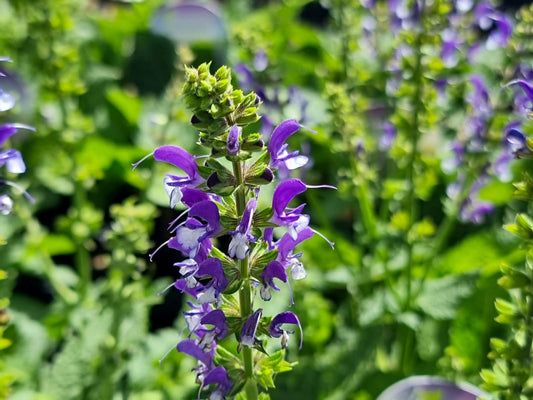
[221, 193]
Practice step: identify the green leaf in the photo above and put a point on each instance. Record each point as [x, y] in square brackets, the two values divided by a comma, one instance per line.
[442, 297]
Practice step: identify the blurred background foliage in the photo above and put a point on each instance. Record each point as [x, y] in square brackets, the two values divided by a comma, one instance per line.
[410, 286]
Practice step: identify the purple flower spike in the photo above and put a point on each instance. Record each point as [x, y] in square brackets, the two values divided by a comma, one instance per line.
[279, 156]
[274, 269]
[233, 140]
[249, 329]
[275, 330]
[238, 246]
[219, 377]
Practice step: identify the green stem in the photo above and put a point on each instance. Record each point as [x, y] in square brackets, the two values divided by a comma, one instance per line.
[411, 197]
[82, 256]
[245, 294]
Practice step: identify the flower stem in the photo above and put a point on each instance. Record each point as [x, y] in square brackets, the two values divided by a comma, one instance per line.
[415, 136]
[245, 294]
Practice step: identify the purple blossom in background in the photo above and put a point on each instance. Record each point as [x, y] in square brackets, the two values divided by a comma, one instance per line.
[387, 138]
[10, 158]
[488, 18]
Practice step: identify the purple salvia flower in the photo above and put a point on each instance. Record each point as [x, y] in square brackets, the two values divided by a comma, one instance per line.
[238, 246]
[517, 143]
[485, 16]
[274, 269]
[479, 98]
[450, 46]
[193, 317]
[528, 91]
[192, 233]
[249, 329]
[286, 245]
[219, 377]
[233, 140]
[219, 331]
[275, 330]
[183, 160]
[211, 267]
[501, 167]
[279, 156]
[283, 195]
[205, 358]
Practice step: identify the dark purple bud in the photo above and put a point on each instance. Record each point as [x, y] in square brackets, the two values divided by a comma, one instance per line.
[249, 329]
[233, 140]
[213, 180]
[267, 175]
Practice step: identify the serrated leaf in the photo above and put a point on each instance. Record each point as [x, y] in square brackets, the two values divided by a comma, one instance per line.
[442, 297]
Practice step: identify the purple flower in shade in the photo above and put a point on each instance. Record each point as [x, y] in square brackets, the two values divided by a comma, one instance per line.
[233, 140]
[260, 60]
[473, 209]
[486, 17]
[219, 331]
[238, 246]
[219, 377]
[279, 156]
[286, 245]
[274, 269]
[479, 98]
[183, 160]
[450, 47]
[275, 330]
[387, 138]
[249, 329]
